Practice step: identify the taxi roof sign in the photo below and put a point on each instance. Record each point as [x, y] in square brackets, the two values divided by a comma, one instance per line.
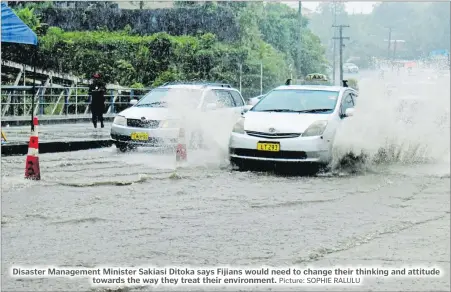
[316, 77]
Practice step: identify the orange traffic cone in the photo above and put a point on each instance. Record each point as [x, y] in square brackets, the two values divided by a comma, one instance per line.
[4, 140]
[180, 154]
[32, 170]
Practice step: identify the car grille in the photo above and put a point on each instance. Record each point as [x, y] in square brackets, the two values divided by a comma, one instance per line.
[150, 124]
[273, 135]
[269, 154]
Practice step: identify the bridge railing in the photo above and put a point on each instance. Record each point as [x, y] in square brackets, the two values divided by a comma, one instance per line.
[17, 100]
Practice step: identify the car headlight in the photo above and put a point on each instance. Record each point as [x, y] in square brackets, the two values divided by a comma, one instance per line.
[169, 124]
[239, 126]
[120, 120]
[315, 129]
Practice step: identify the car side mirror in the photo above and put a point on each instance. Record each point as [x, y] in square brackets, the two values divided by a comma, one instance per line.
[349, 112]
[211, 106]
[246, 108]
[133, 102]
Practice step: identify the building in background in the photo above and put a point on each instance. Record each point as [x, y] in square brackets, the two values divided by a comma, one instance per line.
[306, 12]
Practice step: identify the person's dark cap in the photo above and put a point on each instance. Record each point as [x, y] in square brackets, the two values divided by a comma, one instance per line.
[96, 75]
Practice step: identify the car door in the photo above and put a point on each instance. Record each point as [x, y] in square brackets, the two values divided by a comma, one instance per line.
[346, 102]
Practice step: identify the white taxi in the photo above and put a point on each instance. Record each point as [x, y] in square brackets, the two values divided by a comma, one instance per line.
[156, 119]
[292, 124]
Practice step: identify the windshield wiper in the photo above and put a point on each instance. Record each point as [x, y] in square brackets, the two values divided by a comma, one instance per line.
[316, 110]
[152, 103]
[279, 111]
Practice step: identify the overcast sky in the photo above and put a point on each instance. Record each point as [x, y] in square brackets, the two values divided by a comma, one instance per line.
[351, 7]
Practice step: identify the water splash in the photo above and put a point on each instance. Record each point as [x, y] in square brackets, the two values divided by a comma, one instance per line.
[213, 127]
[403, 119]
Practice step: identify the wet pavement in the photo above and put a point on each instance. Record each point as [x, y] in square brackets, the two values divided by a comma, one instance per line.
[60, 132]
[101, 207]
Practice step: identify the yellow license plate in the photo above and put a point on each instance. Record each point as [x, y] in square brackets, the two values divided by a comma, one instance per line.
[274, 147]
[140, 136]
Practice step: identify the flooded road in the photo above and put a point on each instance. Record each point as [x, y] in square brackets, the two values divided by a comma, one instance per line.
[100, 207]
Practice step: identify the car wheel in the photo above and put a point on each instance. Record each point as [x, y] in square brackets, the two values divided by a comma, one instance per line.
[132, 147]
[238, 164]
[122, 147]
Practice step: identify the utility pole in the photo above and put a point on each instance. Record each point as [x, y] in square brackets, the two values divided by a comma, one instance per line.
[394, 49]
[261, 78]
[241, 74]
[389, 42]
[335, 47]
[300, 38]
[341, 38]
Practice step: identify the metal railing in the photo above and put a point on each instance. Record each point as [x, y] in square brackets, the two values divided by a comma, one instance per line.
[17, 100]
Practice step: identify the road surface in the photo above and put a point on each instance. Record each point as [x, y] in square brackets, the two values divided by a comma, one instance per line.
[101, 207]
[59, 132]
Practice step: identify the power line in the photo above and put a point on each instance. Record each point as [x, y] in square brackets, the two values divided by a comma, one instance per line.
[341, 38]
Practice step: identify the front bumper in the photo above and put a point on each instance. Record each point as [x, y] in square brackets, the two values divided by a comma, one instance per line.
[300, 149]
[158, 137]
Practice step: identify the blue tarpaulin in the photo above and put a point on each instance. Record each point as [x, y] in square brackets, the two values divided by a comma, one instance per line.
[14, 30]
[439, 53]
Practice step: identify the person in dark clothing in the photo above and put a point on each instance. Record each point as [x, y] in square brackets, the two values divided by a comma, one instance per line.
[97, 92]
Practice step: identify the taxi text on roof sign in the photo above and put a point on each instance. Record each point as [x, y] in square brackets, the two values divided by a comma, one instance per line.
[316, 77]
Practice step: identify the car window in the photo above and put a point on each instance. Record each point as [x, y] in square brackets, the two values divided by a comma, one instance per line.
[298, 100]
[220, 99]
[347, 102]
[224, 97]
[168, 97]
[237, 98]
[210, 97]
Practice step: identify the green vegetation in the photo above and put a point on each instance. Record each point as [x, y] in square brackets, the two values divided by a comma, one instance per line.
[267, 34]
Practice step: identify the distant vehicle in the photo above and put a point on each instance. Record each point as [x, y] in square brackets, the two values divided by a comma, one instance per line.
[254, 100]
[350, 68]
[292, 124]
[154, 120]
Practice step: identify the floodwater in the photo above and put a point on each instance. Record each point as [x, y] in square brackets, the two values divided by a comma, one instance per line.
[100, 207]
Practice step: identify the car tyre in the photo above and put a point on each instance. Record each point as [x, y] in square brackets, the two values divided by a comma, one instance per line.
[122, 147]
[238, 164]
[132, 147]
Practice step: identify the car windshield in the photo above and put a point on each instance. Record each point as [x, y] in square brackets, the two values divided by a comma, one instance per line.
[168, 97]
[298, 100]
